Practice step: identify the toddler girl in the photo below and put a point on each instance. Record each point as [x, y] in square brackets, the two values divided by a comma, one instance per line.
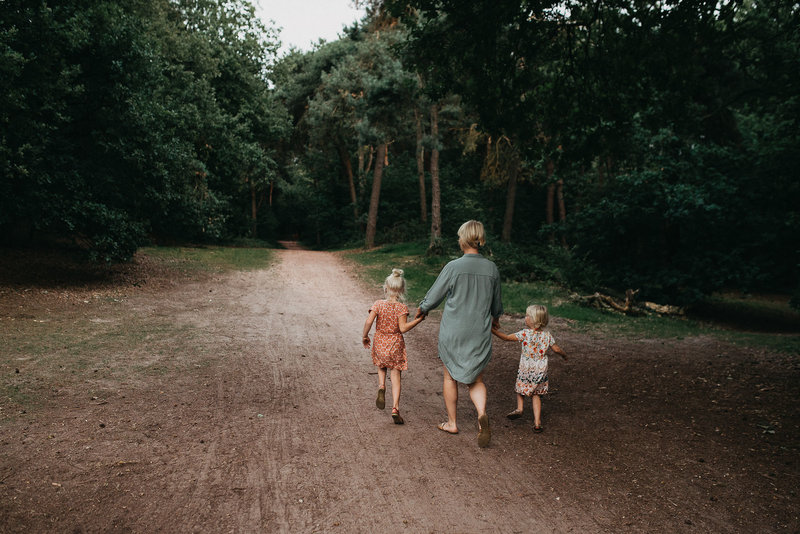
[389, 347]
[532, 374]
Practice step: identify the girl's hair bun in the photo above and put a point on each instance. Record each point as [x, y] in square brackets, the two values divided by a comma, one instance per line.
[397, 272]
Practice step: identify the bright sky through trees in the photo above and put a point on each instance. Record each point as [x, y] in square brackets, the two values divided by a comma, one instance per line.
[304, 22]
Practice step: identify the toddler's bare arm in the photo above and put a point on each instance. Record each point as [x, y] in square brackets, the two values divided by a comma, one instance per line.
[558, 350]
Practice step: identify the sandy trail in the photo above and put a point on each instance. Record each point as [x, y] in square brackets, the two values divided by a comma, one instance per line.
[267, 423]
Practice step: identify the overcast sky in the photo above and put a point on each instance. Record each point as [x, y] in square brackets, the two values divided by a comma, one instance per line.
[304, 22]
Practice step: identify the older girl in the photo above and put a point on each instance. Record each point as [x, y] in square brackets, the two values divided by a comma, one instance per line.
[389, 347]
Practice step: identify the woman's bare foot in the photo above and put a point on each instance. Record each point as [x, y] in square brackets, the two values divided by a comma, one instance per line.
[447, 427]
[484, 434]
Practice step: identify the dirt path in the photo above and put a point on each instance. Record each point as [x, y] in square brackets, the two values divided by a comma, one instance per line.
[246, 404]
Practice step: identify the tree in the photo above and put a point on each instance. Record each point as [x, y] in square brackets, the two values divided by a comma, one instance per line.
[136, 106]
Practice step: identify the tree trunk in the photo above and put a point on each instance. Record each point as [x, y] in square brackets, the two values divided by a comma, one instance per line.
[372, 218]
[551, 189]
[511, 198]
[562, 209]
[253, 210]
[423, 206]
[348, 170]
[436, 214]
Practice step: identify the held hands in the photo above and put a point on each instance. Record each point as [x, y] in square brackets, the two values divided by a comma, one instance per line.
[420, 314]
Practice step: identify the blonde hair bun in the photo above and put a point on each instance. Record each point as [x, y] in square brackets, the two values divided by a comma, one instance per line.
[395, 284]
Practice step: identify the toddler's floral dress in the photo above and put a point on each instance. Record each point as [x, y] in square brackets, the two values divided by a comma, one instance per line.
[532, 373]
[388, 345]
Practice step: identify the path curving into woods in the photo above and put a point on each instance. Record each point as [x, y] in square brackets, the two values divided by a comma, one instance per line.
[245, 403]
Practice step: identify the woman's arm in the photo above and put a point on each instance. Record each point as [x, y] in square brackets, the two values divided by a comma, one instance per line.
[367, 327]
[406, 325]
[437, 292]
[497, 297]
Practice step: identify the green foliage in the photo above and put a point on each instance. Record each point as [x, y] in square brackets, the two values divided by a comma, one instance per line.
[673, 129]
[133, 120]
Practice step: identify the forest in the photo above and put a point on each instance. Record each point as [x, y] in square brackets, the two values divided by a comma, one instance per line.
[606, 144]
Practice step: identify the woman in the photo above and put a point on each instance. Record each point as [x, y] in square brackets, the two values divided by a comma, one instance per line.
[471, 285]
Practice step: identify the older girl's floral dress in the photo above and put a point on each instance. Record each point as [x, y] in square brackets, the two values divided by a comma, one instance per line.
[388, 346]
[532, 373]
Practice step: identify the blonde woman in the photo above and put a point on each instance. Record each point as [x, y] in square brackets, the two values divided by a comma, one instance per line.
[470, 287]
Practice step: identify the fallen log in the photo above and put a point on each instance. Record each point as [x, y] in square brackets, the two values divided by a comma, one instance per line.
[629, 306]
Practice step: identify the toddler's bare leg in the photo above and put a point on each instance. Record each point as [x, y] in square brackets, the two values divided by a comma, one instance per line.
[537, 410]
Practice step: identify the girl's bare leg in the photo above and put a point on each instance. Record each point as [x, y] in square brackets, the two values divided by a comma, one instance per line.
[520, 403]
[396, 388]
[382, 377]
[380, 402]
[537, 410]
[450, 394]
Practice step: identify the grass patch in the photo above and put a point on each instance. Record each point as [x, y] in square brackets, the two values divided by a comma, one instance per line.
[212, 259]
[77, 354]
[421, 271]
[751, 312]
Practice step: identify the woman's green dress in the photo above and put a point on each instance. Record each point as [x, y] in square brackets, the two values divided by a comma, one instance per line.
[471, 285]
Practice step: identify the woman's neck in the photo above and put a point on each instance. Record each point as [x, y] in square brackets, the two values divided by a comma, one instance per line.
[470, 250]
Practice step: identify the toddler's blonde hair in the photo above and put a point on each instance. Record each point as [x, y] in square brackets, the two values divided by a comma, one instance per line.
[395, 284]
[538, 314]
[471, 234]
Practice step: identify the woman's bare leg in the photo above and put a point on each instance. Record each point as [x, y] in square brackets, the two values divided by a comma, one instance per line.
[477, 392]
[450, 394]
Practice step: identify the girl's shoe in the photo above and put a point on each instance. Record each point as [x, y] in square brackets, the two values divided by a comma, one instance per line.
[396, 416]
[380, 402]
[516, 414]
[538, 429]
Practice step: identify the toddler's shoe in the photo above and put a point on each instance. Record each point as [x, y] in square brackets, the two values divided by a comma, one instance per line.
[516, 414]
